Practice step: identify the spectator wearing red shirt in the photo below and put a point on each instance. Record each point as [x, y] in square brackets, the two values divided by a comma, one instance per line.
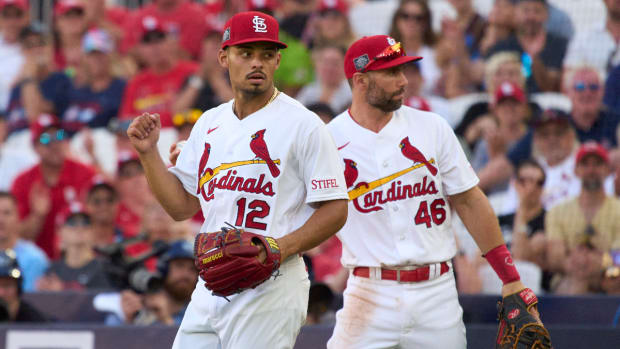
[180, 18]
[113, 20]
[45, 190]
[69, 24]
[154, 89]
[133, 191]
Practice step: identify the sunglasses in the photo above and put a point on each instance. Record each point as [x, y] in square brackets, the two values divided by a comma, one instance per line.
[582, 86]
[189, 117]
[388, 53]
[412, 17]
[524, 180]
[153, 36]
[46, 138]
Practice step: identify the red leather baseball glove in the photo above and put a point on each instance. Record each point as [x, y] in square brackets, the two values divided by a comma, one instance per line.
[228, 260]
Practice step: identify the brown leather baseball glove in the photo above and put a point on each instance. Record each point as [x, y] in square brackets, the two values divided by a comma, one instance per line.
[519, 328]
[228, 260]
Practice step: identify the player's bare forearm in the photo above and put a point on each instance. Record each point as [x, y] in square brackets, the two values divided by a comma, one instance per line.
[323, 223]
[167, 188]
[476, 213]
[144, 134]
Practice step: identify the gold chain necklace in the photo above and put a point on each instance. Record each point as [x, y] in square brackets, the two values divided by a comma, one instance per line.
[275, 94]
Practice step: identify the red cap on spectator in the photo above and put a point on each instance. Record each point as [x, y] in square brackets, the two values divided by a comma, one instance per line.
[251, 26]
[374, 53]
[74, 208]
[64, 6]
[151, 24]
[21, 4]
[254, 5]
[42, 124]
[592, 148]
[125, 156]
[336, 5]
[509, 90]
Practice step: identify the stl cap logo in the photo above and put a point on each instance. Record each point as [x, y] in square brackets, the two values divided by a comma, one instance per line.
[361, 62]
[391, 41]
[507, 89]
[149, 23]
[226, 35]
[259, 24]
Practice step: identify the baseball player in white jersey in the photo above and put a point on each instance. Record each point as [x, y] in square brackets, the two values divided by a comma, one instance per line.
[261, 162]
[405, 172]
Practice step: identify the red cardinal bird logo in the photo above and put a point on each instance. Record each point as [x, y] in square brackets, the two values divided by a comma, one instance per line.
[412, 153]
[203, 163]
[258, 146]
[350, 172]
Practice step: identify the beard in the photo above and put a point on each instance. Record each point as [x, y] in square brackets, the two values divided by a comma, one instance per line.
[180, 290]
[591, 184]
[381, 99]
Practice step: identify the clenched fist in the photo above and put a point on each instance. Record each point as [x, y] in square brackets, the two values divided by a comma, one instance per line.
[144, 132]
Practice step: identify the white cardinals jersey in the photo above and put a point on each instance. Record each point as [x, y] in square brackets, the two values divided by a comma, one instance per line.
[259, 173]
[398, 182]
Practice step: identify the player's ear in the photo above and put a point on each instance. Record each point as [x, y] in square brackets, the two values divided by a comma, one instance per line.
[278, 58]
[222, 57]
[360, 80]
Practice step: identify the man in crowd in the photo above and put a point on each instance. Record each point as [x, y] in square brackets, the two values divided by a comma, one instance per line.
[14, 16]
[31, 259]
[592, 219]
[12, 307]
[542, 52]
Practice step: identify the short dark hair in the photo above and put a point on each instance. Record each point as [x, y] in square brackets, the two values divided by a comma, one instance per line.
[531, 163]
[7, 195]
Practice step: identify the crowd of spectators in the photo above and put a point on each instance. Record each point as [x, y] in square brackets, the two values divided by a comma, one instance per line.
[533, 97]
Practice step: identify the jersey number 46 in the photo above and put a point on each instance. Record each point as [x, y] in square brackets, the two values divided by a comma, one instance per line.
[436, 215]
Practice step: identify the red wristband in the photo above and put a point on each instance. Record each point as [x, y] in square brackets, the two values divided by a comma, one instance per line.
[501, 261]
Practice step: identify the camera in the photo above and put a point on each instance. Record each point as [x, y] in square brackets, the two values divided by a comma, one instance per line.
[130, 272]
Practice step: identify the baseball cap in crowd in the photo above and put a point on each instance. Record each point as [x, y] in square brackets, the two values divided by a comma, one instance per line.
[375, 53]
[74, 215]
[251, 26]
[333, 5]
[64, 6]
[100, 182]
[152, 29]
[97, 40]
[509, 90]
[20, 4]
[43, 123]
[592, 148]
[254, 5]
[180, 249]
[549, 116]
[126, 157]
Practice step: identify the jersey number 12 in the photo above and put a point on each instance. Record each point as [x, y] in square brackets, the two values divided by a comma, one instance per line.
[259, 209]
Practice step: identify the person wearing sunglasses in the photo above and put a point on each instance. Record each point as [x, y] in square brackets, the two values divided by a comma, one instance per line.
[102, 205]
[412, 26]
[567, 222]
[406, 173]
[44, 191]
[592, 120]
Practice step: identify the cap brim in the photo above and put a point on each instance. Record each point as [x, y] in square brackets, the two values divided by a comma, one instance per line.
[379, 65]
[246, 41]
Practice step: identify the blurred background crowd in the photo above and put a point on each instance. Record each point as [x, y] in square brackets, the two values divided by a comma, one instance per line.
[531, 88]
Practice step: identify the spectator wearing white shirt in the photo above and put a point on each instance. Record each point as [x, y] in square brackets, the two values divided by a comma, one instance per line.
[13, 18]
[599, 46]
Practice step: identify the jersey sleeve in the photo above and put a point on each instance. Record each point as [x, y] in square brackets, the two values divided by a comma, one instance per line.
[186, 167]
[456, 172]
[321, 167]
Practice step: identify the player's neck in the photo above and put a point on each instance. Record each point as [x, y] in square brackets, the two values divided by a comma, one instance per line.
[370, 117]
[246, 104]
